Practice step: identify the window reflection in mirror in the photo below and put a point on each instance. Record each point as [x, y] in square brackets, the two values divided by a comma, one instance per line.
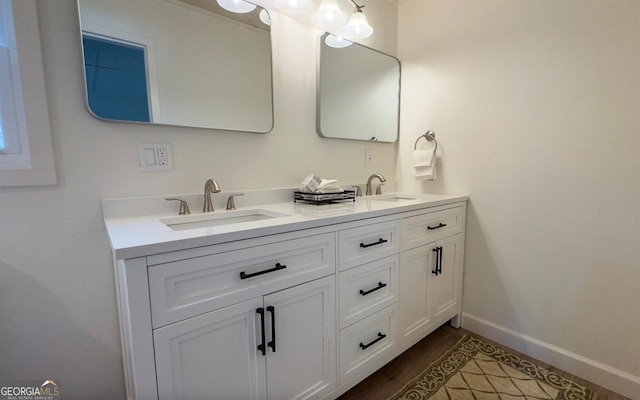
[201, 65]
[358, 95]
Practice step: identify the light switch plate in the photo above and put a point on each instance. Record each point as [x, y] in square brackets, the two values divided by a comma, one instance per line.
[368, 158]
[155, 156]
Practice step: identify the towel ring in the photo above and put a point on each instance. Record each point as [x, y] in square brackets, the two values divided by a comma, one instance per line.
[430, 136]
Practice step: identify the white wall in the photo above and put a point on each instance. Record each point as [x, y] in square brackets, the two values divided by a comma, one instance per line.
[57, 295]
[535, 107]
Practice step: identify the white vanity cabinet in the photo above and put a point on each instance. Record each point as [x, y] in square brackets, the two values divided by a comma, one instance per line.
[431, 272]
[303, 309]
[250, 319]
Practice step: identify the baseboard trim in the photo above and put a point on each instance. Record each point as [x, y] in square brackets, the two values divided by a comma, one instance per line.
[601, 374]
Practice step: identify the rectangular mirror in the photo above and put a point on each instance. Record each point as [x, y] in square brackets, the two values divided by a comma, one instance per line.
[358, 94]
[177, 62]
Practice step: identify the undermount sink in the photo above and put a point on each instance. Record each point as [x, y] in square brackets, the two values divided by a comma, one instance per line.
[394, 197]
[185, 222]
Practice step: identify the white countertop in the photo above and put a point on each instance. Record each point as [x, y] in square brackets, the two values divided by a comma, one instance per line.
[142, 236]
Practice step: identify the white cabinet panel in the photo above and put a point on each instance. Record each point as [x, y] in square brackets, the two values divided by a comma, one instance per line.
[365, 343]
[186, 288]
[447, 288]
[430, 287]
[219, 354]
[212, 356]
[303, 364]
[429, 227]
[367, 289]
[360, 245]
[415, 290]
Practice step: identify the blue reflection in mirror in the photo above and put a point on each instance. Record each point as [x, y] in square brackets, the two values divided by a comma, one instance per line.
[116, 79]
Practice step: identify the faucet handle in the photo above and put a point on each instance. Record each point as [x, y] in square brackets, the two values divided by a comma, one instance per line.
[358, 190]
[379, 188]
[184, 207]
[231, 204]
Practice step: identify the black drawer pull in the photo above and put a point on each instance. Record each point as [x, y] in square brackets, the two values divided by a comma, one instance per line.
[380, 241]
[278, 267]
[433, 228]
[380, 337]
[380, 286]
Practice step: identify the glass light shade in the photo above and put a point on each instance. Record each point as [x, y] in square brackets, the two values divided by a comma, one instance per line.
[358, 27]
[236, 6]
[294, 6]
[337, 42]
[329, 14]
[265, 17]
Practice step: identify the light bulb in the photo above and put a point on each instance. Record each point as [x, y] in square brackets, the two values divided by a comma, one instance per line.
[265, 17]
[294, 6]
[329, 14]
[236, 6]
[337, 42]
[358, 27]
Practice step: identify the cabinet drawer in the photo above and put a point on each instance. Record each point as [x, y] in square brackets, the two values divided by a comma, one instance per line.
[367, 289]
[426, 228]
[365, 344]
[186, 288]
[367, 243]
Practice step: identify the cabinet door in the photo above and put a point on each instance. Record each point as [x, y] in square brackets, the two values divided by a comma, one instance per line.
[212, 356]
[447, 284]
[301, 363]
[430, 287]
[416, 266]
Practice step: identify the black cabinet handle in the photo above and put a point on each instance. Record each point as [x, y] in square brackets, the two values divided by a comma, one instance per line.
[379, 338]
[435, 270]
[380, 241]
[278, 267]
[380, 286]
[438, 266]
[272, 343]
[440, 225]
[261, 345]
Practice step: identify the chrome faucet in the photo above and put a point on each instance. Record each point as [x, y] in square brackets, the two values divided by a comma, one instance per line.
[379, 176]
[211, 186]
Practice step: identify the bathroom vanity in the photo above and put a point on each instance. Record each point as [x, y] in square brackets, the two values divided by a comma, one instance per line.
[284, 300]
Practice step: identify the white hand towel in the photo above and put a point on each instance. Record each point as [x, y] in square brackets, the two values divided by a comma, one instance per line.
[423, 158]
[424, 164]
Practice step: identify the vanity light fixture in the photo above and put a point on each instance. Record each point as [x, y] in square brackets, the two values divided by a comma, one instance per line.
[337, 42]
[329, 14]
[294, 6]
[265, 17]
[236, 6]
[358, 27]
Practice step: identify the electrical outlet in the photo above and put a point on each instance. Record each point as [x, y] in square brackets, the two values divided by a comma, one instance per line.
[155, 156]
[163, 156]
